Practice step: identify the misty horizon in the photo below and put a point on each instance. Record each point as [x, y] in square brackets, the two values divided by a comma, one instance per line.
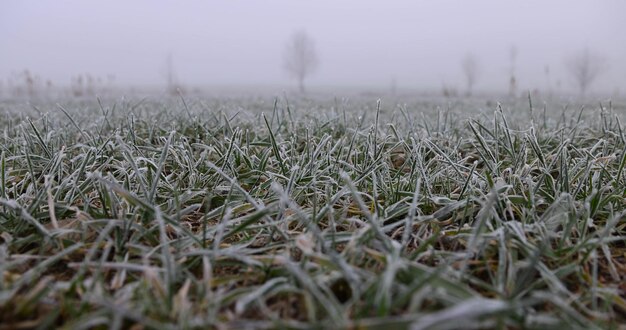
[416, 45]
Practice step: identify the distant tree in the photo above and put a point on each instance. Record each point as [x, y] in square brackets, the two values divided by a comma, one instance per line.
[29, 81]
[470, 67]
[170, 76]
[546, 72]
[512, 79]
[77, 86]
[449, 91]
[300, 58]
[584, 67]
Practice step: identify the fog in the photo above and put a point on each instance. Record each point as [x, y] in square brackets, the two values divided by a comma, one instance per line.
[361, 44]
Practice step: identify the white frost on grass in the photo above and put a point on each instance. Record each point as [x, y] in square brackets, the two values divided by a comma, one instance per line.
[461, 315]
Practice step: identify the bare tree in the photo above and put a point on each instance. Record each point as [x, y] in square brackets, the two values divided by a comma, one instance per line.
[470, 67]
[546, 72]
[512, 79]
[170, 76]
[300, 57]
[585, 67]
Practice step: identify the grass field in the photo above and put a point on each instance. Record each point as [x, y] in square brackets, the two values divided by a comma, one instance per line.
[254, 213]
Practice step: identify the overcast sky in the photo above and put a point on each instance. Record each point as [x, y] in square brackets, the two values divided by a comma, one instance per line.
[362, 43]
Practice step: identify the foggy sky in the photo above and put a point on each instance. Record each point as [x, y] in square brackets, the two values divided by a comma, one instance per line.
[359, 43]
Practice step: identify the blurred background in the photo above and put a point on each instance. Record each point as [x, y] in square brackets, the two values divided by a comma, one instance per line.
[450, 48]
